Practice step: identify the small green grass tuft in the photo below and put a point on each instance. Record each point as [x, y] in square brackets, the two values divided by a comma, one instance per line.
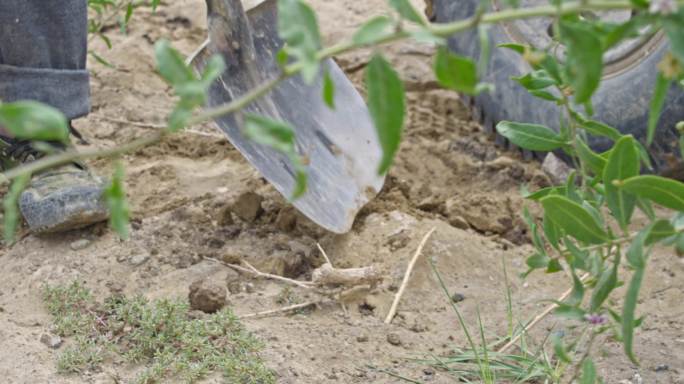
[160, 335]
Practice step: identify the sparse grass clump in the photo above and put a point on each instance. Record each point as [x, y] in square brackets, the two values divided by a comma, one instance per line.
[160, 335]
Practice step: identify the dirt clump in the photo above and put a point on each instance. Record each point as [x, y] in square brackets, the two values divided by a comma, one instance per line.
[248, 206]
[207, 296]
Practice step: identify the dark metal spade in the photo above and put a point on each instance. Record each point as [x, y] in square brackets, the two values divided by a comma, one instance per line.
[340, 145]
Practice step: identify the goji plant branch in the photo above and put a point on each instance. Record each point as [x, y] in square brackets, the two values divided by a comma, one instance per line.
[442, 30]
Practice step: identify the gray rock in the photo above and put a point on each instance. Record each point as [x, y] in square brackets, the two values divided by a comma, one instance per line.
[52, 341]
[457, 297]
[394, 339]
[556, 169]
[207, 296]
[79, 244]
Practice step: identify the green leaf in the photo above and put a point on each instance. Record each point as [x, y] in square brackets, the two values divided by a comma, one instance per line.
[129, 13]
[544, 95]
[584, 59]
[535, 80]
[552, 231]
[31, 120]
[373, 31]
[620, 32]
[606, 284]
[328, 90]
[534, 137]
[597, 128]
[171, 64]
[659, 230]
[672, 24]
[455, 72]
[577, 290]
[11, 209]
[554, 266]
[515, 47]
[298, 27]
[101, 59]
[536, 238]
[657, 101]
[578, 258]
[569, 312]
[406, 10]
[646, 207]
[623, 163]
[628, 310]
[537, 195]
[588, 372]
[559, 349]
[594, 161]
[387, 105]
[116, 201]
[279, 136]
[666, 192]
[574, 219]
[538, 261]
[635, 253]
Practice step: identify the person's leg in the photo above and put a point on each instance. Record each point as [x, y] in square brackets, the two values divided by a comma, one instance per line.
[43, 49]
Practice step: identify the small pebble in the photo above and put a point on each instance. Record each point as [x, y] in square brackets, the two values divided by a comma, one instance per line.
[52, 341]
[79, 244]
[362, 338]
[457, 297]
[138, 259]
[393, 339]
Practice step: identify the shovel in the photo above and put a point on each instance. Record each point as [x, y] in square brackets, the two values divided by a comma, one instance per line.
[340, 145]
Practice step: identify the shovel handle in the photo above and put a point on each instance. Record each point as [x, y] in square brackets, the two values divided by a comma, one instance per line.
[230, 32]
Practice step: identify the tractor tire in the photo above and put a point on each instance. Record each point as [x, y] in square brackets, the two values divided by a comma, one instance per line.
[622, 101]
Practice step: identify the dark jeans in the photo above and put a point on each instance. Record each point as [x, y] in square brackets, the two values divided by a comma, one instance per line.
[43, 49]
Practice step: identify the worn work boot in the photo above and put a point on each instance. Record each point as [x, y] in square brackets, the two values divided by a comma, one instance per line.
[59, 199]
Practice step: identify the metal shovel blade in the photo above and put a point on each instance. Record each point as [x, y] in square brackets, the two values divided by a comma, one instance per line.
[340, 145]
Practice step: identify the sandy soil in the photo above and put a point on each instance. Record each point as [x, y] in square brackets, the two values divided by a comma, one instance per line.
[449, 175]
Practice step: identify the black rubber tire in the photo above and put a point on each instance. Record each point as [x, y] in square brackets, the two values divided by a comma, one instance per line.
[622, 100]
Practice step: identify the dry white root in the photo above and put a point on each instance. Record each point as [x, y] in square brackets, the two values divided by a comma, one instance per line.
[329, 276]
[339, 284]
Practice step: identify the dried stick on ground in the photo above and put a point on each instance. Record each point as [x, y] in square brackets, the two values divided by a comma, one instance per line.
[251, 270]
[284, 309]
[325, 255]
[407, 275]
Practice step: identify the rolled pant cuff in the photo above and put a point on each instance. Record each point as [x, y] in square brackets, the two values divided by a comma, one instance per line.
[66, 90]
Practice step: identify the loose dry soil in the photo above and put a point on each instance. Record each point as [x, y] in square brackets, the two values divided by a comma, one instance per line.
[449, 175]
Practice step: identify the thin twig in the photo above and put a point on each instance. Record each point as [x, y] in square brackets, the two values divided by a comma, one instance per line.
[539, 318]
[325, 255]
[281, 310]
[407, 275]
[142, 124]
[258, 273]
